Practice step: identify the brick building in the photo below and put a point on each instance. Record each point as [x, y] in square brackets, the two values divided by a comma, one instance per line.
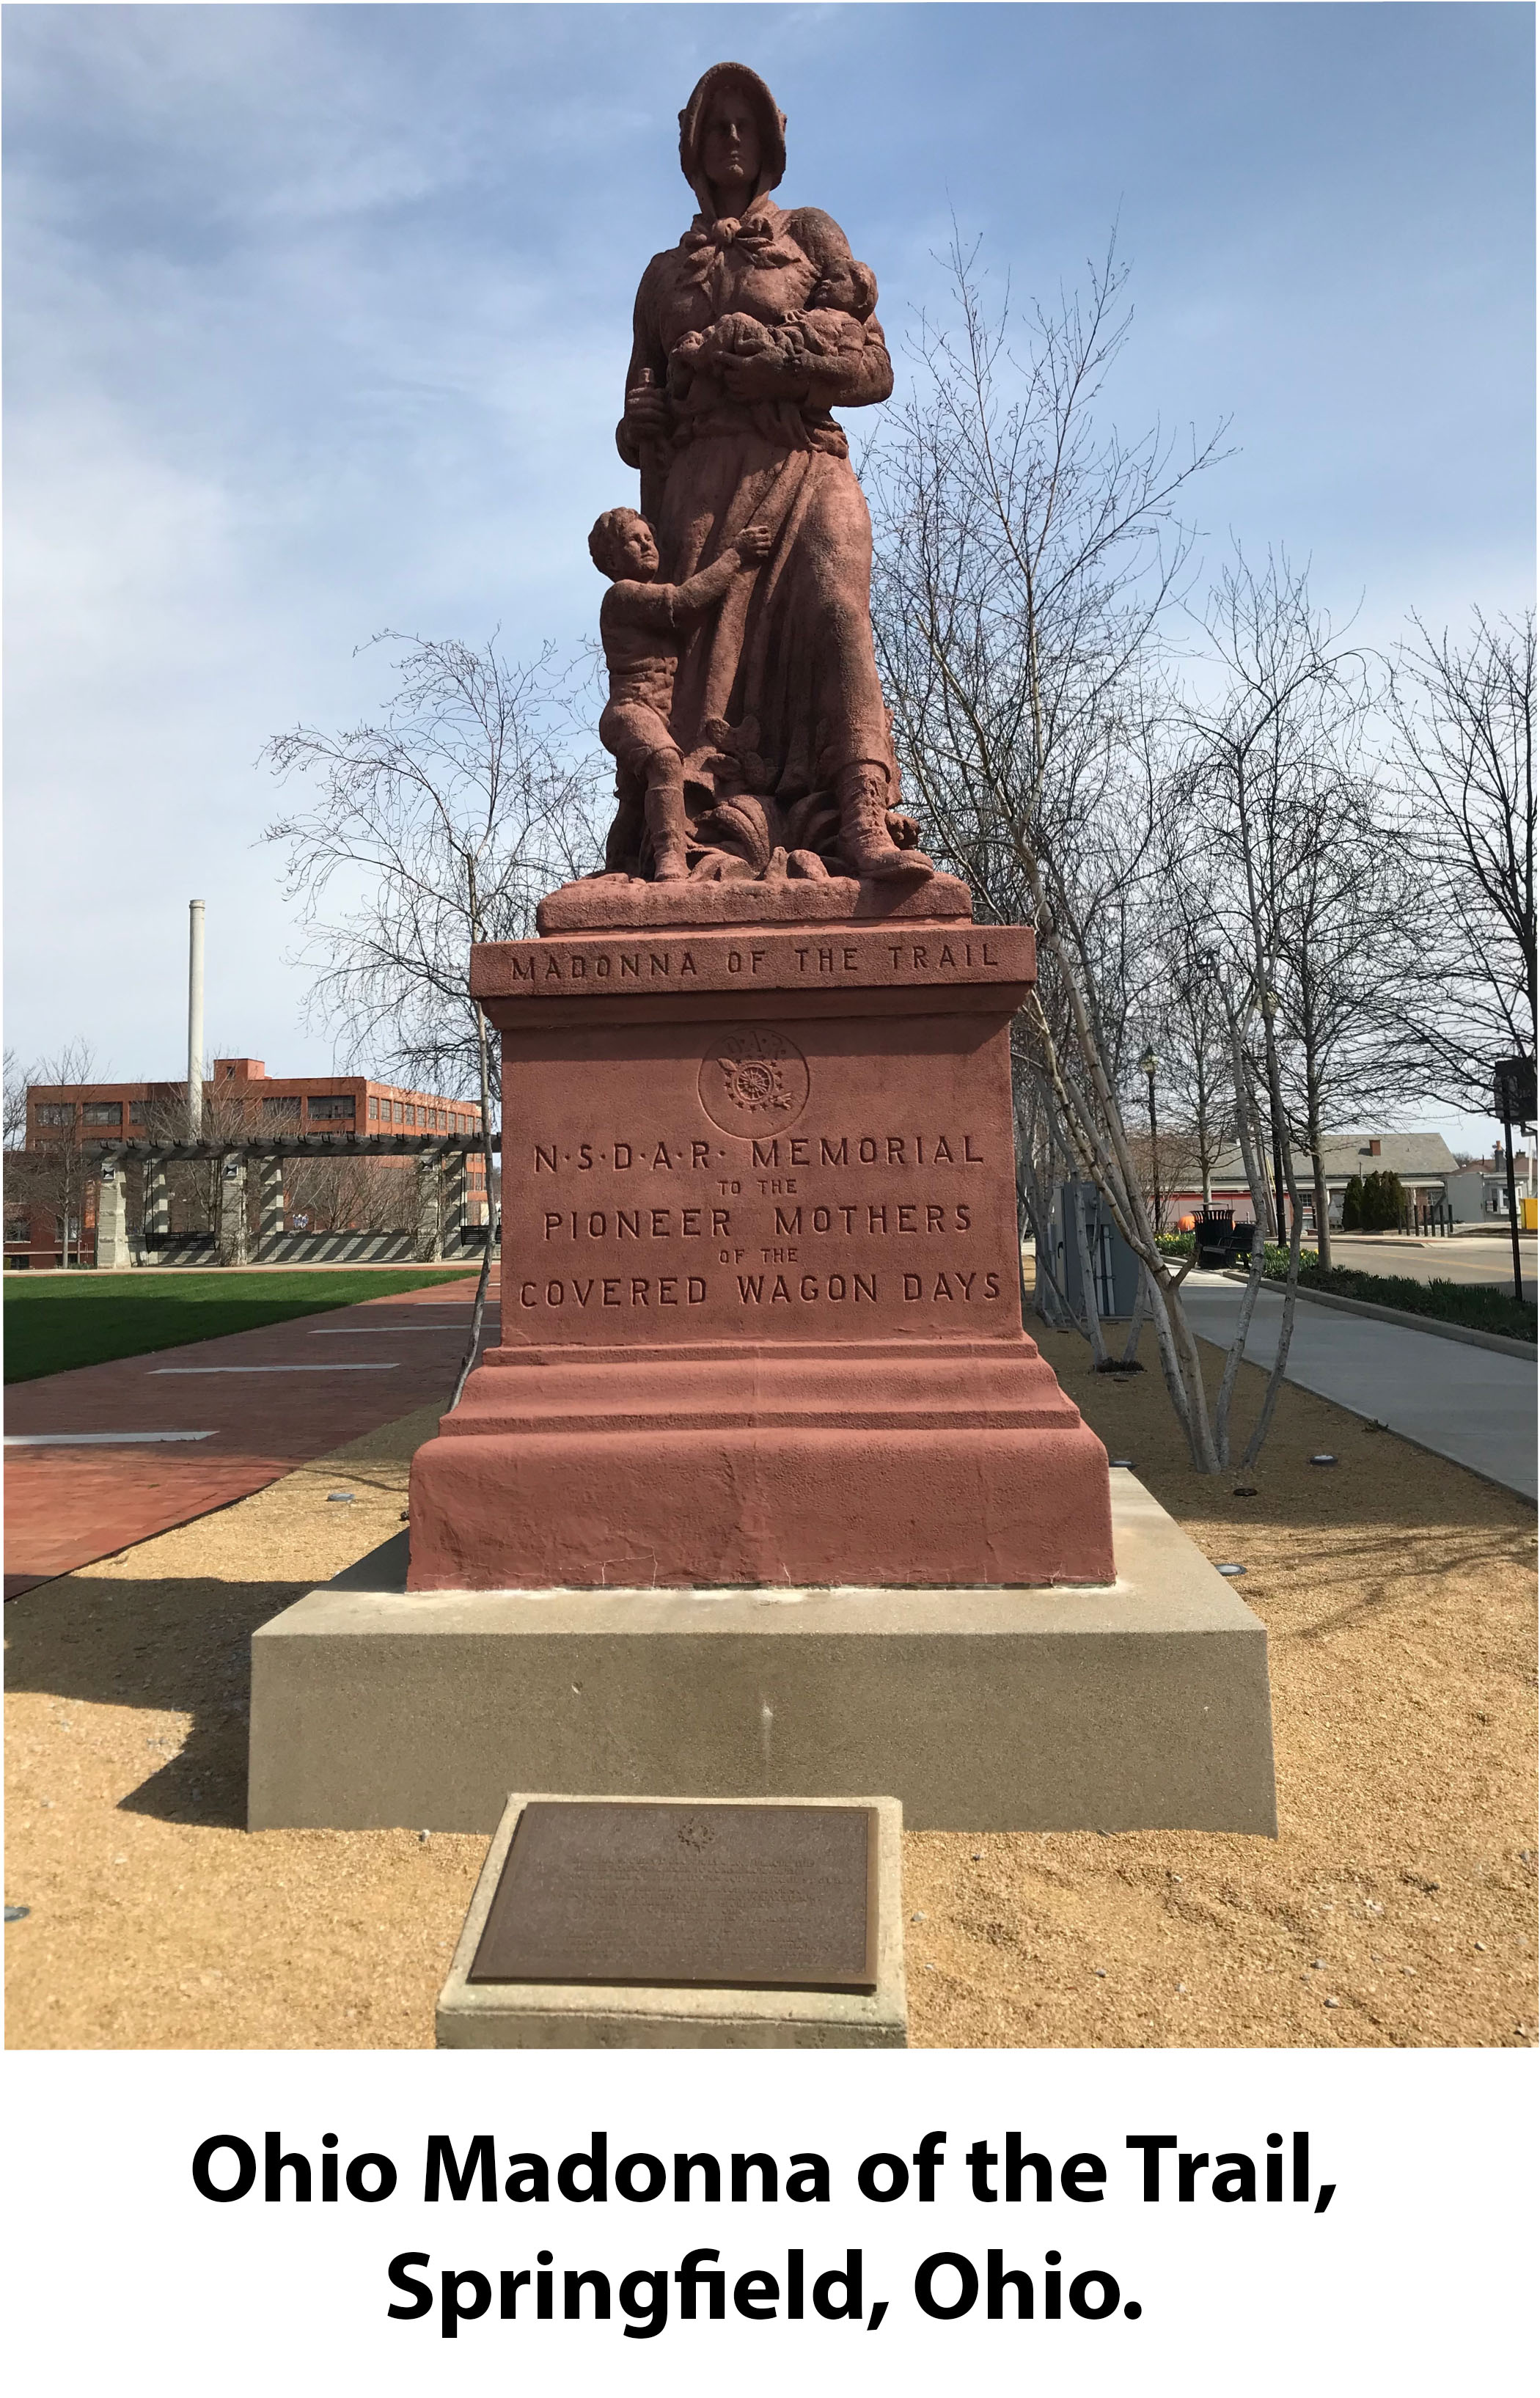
[241, 1102]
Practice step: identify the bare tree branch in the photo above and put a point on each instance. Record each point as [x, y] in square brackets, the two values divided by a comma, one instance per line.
[439, 827]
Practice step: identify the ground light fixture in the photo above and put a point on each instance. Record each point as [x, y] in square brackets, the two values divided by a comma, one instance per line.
[1231, 1573]
[1323, 1457]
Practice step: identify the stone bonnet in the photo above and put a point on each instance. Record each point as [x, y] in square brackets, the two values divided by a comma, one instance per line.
[692, 127]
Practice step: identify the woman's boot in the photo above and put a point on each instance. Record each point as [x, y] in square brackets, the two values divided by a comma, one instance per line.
[869, 849]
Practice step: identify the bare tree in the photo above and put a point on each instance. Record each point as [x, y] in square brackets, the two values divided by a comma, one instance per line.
[353, 1195]
[1463, 717]
[54, 1170]
[1026, 564]
[18, 1078]
[1255, 745]
[1307, 882]
[1345, 925]
[437, 827]
[1039, 1151]
[1184, 1010]
[1198, 1109]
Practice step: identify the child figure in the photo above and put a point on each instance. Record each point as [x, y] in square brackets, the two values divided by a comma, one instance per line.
[638, 624]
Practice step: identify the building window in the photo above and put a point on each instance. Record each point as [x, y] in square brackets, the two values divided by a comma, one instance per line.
[333, 1108]
[102, 1112]
[374, 1106]
[400, 1112]
[52, 1115]
[136, 1111]
[285, 1107]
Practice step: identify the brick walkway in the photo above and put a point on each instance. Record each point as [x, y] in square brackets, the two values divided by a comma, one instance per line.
[67, 1506]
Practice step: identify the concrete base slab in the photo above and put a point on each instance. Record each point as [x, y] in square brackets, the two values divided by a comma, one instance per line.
[1139, 1705]
[545, 2015]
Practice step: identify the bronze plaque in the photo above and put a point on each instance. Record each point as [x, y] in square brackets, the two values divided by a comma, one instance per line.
[692, 1895]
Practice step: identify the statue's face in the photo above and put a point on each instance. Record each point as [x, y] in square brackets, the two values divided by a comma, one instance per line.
[730, 145]
[638, 551]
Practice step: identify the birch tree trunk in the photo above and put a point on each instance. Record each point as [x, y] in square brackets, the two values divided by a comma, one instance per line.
[1088, 1280]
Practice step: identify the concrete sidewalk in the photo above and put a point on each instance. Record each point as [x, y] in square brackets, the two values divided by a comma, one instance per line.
[1472, 1404]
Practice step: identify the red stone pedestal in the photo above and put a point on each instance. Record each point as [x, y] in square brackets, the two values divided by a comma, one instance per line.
[761, 1301]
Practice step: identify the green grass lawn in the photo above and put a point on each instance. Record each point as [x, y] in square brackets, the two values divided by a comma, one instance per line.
[54, 1321]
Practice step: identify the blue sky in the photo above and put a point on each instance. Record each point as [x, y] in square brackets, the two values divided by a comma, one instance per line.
[317, 319]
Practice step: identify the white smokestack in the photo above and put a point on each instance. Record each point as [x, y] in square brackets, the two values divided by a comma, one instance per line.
[195, 1021]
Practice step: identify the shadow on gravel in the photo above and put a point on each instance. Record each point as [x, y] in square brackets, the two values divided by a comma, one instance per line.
[164, 1646]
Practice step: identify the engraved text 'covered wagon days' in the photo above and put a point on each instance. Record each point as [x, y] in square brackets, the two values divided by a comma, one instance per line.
[596, 1291]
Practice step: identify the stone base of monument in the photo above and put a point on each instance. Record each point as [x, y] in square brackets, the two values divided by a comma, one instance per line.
[1139, 1705]
[655, 1924]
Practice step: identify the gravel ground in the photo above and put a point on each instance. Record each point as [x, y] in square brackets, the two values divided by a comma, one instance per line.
[1397, 1908]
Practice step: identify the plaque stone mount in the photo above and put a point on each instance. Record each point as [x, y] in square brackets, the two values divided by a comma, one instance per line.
[485, 2013]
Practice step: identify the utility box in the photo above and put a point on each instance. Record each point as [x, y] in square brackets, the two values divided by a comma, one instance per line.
[1114, 1265]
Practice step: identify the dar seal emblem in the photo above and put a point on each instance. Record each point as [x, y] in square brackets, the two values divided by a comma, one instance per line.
[753, 1081]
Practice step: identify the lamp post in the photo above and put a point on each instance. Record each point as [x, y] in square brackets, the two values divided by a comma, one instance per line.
[1513, 1100]
[1148, 1066]
[1270, 1010]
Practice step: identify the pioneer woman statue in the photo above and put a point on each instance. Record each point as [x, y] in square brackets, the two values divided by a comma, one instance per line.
[747, 335]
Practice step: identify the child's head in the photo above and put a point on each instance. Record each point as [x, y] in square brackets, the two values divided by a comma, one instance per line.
[621, 545]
